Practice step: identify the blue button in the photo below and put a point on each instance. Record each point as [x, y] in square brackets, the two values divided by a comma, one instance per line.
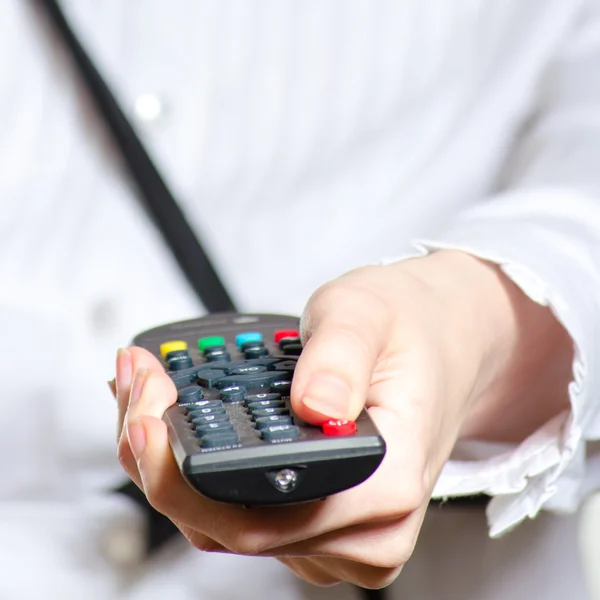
[251, 336]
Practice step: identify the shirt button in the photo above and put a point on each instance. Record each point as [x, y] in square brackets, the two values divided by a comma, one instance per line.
[123, 545]
[148, 108]
[103, 316]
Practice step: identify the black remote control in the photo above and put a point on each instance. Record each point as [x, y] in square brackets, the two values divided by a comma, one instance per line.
[233, 432]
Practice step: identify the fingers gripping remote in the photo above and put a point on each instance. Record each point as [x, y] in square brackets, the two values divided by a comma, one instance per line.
[233, 432]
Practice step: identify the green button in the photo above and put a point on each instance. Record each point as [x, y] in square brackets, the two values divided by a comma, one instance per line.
[214, 340]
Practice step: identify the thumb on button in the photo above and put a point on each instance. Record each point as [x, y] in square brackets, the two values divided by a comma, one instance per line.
[334, 371]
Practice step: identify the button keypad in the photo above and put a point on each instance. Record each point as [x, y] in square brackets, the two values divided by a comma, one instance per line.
[232, 391]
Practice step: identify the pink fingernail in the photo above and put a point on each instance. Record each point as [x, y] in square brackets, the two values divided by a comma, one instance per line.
[138, 385]
[327, 395]
[136, 434]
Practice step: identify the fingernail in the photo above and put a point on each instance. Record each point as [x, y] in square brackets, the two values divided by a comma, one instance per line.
[112, 384]
[138, 385]
[136, 434]
[327, 395]
[124, 370]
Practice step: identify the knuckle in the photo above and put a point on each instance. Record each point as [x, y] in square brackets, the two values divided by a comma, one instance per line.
[378, 578]
[309, 572]
[394, 558]
[246, 543]
[349, 289]
[351, 305]
[202, 542]
[322, 580]
[407, 501]
[387, 549]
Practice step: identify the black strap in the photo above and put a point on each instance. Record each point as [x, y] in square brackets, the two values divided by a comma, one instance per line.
[165, 213]
[157, 198]
[169, 219]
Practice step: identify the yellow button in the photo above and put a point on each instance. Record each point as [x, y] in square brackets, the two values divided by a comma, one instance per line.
[172, 346]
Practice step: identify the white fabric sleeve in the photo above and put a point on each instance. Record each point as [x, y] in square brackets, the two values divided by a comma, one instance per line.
[543, 229]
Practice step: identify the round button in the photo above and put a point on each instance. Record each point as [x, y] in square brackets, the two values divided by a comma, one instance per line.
[207, 342]
[247, 345]
[248, 336]
[176, 354]
[171, 346]
[179, 363]
[191, 393]
[235, 393]
[292, 349]
[214, 349]
[148, 107]
[218, 357]
[285, 333]
[339, 427]
[281, 387]
[288, 341]
[256, 352]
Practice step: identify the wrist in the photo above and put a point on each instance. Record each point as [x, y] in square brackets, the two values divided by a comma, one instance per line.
[521, 355]
[467, 294]
[525, 360]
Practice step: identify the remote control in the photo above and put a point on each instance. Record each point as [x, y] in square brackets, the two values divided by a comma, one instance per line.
[232, 430]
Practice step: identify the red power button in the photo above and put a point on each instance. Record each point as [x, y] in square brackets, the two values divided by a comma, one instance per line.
[285, 333]
[339, 427]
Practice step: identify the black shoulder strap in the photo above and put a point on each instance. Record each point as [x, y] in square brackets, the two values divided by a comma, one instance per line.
[157, 198]
[165, 213]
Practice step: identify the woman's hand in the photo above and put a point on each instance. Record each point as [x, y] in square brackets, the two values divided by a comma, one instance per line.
[435, 347]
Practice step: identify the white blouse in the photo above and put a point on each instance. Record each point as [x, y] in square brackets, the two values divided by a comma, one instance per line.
[302, 139]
